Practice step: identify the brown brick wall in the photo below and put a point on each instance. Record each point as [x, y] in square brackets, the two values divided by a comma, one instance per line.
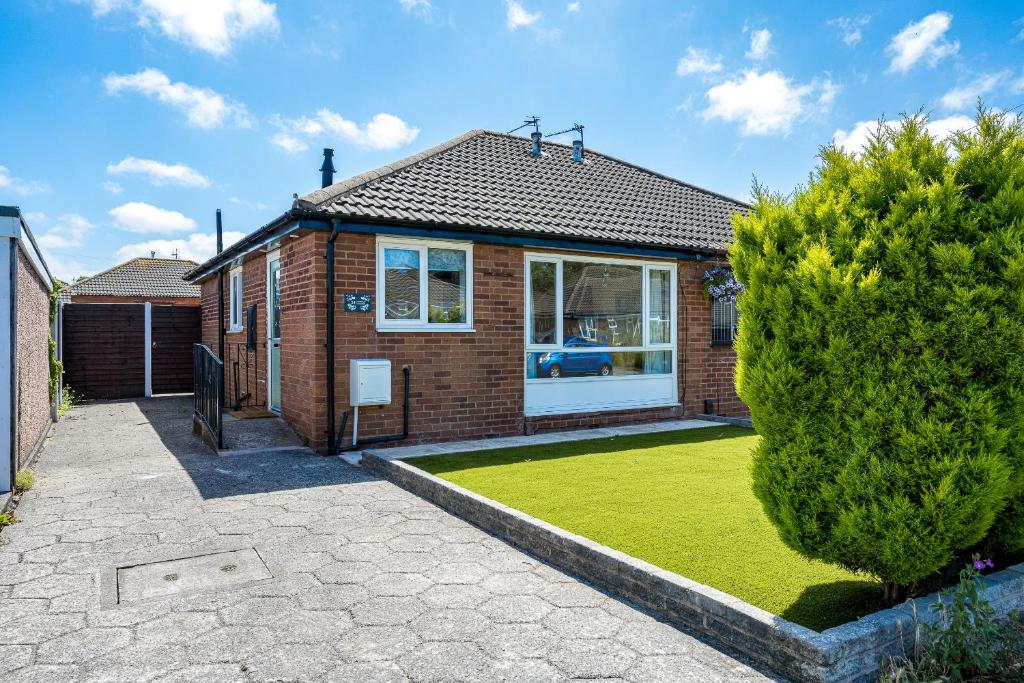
[251, 363]
[706, 370]
[463, 384]
[33, 359]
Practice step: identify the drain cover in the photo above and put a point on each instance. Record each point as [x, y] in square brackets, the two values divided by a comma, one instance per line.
[189, 575]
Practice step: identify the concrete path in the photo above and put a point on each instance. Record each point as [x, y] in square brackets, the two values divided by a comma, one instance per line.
[369, 583]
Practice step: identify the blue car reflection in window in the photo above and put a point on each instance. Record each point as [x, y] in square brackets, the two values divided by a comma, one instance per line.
[563, 363]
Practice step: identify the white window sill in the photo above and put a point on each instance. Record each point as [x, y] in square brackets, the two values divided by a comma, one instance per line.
[432, 329]
[601, 408]
[235, 328]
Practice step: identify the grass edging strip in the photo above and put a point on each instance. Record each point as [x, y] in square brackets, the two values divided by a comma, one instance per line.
[849, 653]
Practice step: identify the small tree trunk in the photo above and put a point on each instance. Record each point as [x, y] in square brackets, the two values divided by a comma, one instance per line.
[894, 593]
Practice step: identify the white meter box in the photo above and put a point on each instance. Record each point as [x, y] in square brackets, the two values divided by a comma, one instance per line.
[370, 380]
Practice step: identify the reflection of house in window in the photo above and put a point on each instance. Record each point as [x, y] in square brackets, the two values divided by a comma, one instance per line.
[603, 300]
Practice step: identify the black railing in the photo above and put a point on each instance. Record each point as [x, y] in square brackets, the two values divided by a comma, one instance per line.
[208, 391]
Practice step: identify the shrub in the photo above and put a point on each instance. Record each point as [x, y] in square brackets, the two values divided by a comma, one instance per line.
[68, 400]
[965, 643]
[6, 519]
[24, 480]
[881, 350]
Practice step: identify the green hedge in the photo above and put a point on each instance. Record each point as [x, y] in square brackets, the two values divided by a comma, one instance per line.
[881, 349]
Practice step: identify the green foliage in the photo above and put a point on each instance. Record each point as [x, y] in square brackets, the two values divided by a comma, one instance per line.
[24, 480]
[455, 314]
[68, 400]
[6, 519]
[965, 643]
[56, 366]
[881, 350]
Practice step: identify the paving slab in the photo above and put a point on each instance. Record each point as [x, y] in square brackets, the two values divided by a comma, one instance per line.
[367, 582]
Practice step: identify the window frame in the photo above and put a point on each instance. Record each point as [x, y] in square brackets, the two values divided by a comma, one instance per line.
[646, 344]
[733, 328]
[236, 321]
[422, 324]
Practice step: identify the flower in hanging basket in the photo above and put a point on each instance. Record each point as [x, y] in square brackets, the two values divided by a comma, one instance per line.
[720, 284]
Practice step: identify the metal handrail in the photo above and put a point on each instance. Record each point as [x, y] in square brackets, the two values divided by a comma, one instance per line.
[208, 390]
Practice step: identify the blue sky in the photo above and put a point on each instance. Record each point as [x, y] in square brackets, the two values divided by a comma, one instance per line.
[128, 122]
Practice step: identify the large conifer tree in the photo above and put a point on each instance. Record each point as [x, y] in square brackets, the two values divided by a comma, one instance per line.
[881, 349]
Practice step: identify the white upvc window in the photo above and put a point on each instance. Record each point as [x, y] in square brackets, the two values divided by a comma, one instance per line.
[424, 285]
[600, 333]
[235, 294]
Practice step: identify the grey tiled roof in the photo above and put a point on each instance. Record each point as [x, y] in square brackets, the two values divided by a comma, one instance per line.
[490, 181]
[156, 277]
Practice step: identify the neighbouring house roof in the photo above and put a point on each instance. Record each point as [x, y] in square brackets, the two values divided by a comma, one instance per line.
[489, 182]
[139, 277]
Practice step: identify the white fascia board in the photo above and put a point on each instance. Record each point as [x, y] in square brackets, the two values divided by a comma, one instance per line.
[14, 227]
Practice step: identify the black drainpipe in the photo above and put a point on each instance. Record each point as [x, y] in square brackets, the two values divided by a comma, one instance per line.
[381, 439]
[332, 447]
[220, 292]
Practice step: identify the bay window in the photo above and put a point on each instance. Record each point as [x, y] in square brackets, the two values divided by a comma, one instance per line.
[600, 334]
[424, 285]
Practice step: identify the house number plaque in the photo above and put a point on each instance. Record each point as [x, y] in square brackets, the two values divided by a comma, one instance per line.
[358, 303]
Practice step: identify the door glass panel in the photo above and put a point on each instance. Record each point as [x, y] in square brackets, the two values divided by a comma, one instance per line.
[602, 303]
[446, 285]
[542, 302]
[275, 299]
[401, 284]
[660, 290]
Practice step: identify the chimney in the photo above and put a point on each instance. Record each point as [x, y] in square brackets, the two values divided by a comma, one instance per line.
[535, 149]
[327, 170]
[577, 151]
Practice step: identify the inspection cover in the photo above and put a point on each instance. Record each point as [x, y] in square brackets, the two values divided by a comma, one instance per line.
[190, 575]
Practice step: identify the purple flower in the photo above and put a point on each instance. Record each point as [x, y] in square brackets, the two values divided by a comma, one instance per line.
[979, 565]
[990, 564]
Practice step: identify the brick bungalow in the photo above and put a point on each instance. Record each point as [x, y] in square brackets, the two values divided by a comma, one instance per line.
[137, 281]
[526, 286]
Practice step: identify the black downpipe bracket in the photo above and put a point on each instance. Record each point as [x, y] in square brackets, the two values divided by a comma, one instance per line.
[382, 439]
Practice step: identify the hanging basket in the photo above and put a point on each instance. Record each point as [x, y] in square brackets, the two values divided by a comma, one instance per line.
[721, 285]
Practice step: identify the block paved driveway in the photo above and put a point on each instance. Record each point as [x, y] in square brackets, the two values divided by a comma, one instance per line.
[370, 582]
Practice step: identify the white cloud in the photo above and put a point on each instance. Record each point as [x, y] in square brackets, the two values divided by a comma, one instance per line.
[517, 16]
[922, 40]
[257, 206]
[160, 173]
[208, 25]
[146, 218]
[760, 44]
[289, 143]
[698, 62]
[67, 268]
[382, 131]
[1020, 35]
[964, 95]
[854, 140]
[573, 7]
[204, 108]
[195, 247]
[767, 103]
[20, 186]
[850, 28]
[112, 187]
[420, 6]
[70, 231]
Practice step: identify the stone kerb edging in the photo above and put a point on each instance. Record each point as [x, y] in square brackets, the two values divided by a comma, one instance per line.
[849, 653]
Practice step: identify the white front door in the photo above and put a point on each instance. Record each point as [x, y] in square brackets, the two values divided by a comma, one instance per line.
[274, 330]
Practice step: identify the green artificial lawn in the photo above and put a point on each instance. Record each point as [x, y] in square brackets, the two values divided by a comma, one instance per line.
[679, 500]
